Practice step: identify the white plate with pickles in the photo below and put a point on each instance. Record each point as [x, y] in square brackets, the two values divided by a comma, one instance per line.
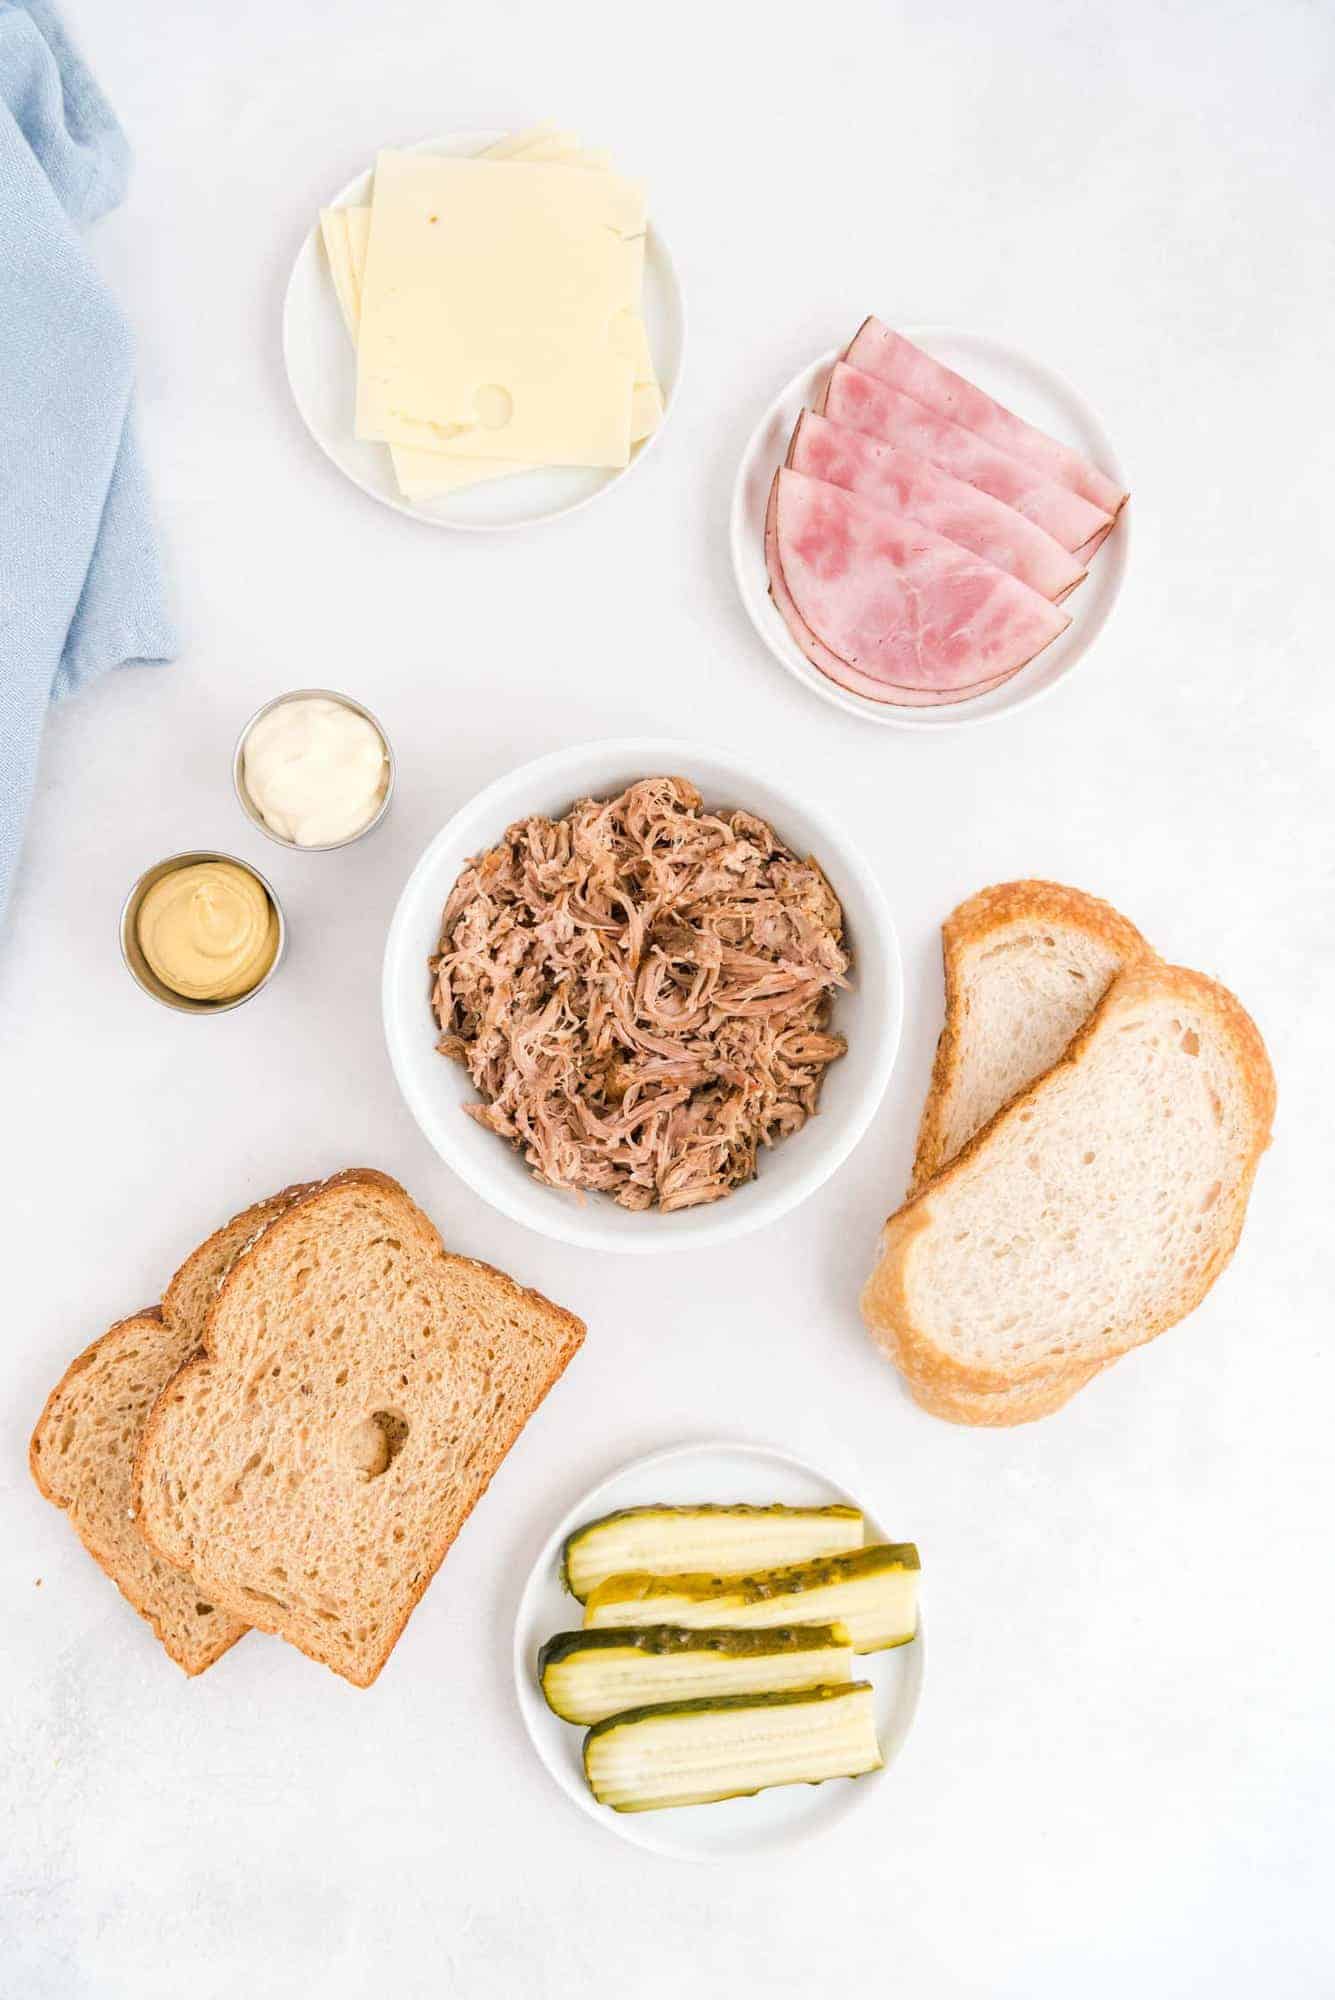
[719, 1651]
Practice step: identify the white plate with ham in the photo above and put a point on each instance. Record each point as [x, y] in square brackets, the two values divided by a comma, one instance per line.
[929, 528]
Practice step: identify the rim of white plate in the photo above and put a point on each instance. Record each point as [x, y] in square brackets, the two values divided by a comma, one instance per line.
[638, 1828]
[668, 338]
[1091, 605]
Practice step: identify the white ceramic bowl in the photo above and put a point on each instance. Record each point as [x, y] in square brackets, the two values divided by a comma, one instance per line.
[1023, 384]
[868, 1014]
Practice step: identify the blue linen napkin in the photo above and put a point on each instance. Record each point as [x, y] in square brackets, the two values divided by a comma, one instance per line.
[81, 581]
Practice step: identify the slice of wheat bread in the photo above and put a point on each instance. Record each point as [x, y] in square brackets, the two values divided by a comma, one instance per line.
[358, 1390]
[82, 1458]
[1096, 1209]
[187, 1301]
[1025, 964]
[82, 1451]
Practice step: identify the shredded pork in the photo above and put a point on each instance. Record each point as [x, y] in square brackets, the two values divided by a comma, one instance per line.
[640, 991]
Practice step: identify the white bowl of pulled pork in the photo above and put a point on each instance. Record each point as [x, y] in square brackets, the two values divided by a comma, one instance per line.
[640, 997]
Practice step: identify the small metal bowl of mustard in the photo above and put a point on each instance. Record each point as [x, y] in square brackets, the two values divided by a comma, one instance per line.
[202, 932]
[313, 770]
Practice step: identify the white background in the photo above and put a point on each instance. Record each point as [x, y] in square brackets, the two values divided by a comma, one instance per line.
[1122, 1775]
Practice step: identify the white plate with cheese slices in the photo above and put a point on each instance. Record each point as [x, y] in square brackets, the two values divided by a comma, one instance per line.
[729, 1473]
[320, 355]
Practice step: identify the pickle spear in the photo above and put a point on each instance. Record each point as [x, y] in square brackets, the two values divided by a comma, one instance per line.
[691, 1753]
[586, 1676]
[676, 1541]
[872, 1592]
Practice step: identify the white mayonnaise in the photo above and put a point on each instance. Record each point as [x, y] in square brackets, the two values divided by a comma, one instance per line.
[316, 771]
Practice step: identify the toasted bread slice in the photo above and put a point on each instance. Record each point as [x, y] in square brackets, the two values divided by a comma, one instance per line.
[1096, 1209]
[1026, 963]
[82, 1457]
[359, 1388]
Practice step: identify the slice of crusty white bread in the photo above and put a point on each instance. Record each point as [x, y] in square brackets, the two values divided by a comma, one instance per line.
[1025, 964]
[82, 1457]
[359, 1388]
[996, 1409]
[1096, 1209]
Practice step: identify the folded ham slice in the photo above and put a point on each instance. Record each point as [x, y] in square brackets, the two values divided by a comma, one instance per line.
[1089, 548]
[880, 351]
[821, 656]
[863, 403]
[890, 608]
[894, 477]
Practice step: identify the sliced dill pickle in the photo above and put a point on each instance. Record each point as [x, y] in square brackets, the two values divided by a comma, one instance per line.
[586, 1676]
[691, 1753]
[674, 1541]
[873, 1592]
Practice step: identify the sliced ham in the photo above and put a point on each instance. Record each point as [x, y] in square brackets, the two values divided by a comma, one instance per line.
[890, 602]
[822, 658]
[1089, 548]
[880, 351]
[895, 477]
[863, 403]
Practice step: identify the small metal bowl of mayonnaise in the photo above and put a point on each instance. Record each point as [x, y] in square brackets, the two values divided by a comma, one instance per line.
[202, 932]
[313, 770]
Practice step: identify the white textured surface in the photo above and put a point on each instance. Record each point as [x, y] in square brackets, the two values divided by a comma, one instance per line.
[1121, 1780]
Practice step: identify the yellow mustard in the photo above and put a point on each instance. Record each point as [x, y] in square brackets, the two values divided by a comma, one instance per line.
[208, 930]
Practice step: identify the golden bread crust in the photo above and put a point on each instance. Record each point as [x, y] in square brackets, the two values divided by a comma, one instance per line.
[886, 1304]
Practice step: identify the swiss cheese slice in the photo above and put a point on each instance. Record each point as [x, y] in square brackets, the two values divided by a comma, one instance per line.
[628, 329]
[545, 142]
[337, 248]
[516, 143]
[358, 226]
[496, 307]
[422, 473]
[548, 146]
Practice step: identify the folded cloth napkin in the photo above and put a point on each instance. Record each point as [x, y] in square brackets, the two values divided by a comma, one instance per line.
[81, 582]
